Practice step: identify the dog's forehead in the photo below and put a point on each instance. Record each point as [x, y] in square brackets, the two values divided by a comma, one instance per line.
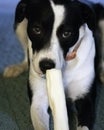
[44, 8]
[59, 14]
[47, 10]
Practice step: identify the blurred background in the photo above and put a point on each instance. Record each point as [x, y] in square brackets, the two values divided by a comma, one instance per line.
[14, 102]
[10, 51]
[8, 5]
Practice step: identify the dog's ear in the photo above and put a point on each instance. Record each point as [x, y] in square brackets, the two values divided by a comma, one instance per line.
[20, 13]
[88, 14]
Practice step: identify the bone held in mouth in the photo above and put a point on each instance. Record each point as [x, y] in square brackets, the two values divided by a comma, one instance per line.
[56, 98]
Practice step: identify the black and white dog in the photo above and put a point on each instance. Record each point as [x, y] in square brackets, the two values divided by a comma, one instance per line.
[61, 34]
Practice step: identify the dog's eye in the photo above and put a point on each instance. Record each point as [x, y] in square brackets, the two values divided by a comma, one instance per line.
[66, 34]
[37, 30]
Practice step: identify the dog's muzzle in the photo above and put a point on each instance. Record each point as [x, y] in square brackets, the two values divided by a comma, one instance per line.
[46, 64]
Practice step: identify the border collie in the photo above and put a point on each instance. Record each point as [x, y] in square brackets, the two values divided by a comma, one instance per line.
[61, 34]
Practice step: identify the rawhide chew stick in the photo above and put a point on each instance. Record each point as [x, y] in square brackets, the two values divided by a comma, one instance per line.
[56, 97]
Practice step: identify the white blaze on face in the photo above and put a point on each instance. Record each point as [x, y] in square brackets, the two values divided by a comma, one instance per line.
[59, 12]
[54, 51]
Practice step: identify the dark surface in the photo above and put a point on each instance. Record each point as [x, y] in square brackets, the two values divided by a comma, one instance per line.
[14, 102]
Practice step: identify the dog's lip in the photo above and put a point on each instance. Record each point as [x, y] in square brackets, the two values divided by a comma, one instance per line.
[41, 74]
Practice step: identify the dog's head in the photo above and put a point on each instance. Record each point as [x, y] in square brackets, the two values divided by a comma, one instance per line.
[53, 28]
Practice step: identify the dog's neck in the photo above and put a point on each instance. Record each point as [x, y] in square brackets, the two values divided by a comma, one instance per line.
[79, 72]
[83, 50]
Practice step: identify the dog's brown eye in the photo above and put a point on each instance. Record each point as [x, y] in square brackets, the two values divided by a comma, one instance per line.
[66, 34]
[37, 30]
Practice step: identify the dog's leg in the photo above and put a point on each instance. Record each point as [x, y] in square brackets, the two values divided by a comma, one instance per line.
[86, 113]
[15, 70]
[39, 104]
[39, 114]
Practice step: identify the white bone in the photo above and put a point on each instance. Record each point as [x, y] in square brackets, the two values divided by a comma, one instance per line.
[56, 97]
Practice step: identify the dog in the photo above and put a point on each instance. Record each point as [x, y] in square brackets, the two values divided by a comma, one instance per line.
[15, 70]
[66, 35]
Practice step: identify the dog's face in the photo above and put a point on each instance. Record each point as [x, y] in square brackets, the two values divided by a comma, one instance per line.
[52, 29]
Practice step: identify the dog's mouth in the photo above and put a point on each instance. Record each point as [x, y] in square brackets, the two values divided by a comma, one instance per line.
[42, 66]
[46, 64]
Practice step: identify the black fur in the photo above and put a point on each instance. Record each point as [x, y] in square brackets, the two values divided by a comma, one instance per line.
[39, 14]
[29, 91]
[86, 108]
[43, 17]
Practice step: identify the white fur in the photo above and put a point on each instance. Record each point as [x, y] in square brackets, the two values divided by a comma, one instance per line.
[59, 11]
[39, 115]
[54, 52]
[79, 72]
[82, 128]
[39, 107]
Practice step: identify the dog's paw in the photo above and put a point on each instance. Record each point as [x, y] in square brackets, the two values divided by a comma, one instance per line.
[82, 128]
[101, 72]
[15, 70]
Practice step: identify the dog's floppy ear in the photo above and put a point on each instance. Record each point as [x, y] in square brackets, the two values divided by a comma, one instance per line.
[20, 13]
[88, 14]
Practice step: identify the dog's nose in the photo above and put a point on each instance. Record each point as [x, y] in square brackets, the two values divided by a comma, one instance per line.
[46, 64]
